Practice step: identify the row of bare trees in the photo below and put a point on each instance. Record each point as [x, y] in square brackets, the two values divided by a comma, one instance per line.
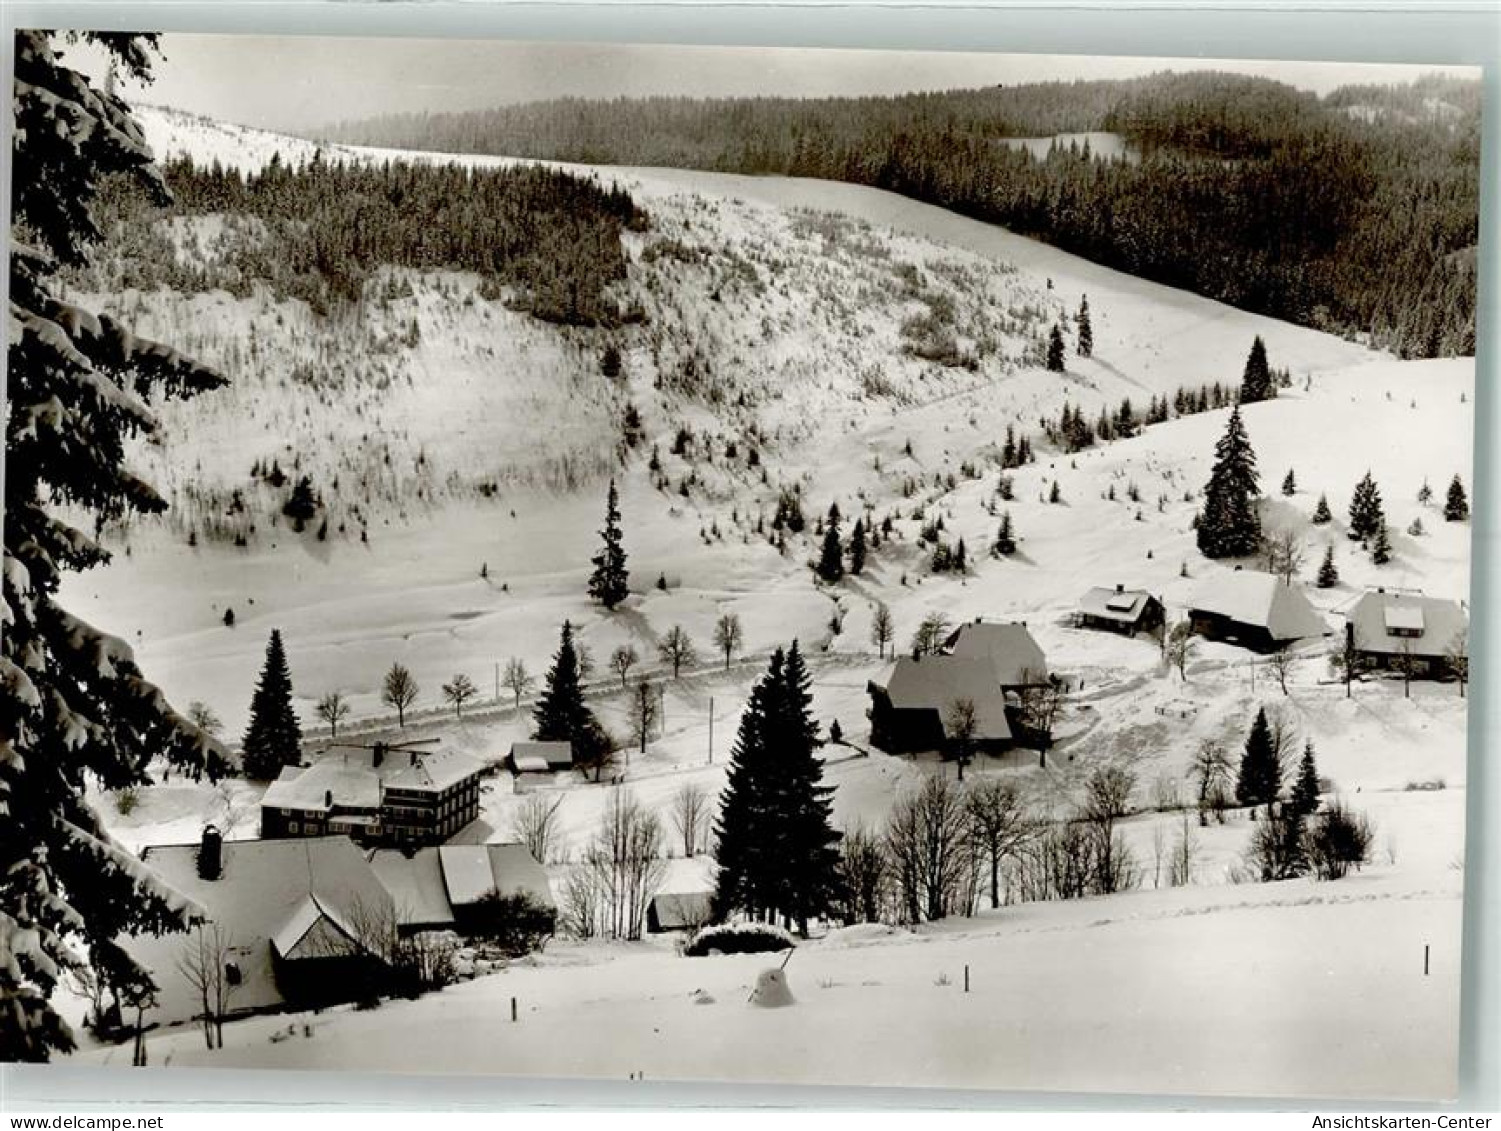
[607, 893]
[947, 846]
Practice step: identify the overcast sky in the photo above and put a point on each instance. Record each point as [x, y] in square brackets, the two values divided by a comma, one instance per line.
[294, 83]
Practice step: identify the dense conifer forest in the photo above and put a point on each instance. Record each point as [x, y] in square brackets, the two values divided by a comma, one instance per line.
[549, 240]
[1355, 213]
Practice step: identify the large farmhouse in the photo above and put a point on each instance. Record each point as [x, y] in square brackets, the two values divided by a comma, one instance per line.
[1422, 636]
[1254, 610]
[992, 666]
[375, 796]
[292, 923]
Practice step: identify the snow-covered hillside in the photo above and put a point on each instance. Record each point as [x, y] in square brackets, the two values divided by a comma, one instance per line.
[782, 317]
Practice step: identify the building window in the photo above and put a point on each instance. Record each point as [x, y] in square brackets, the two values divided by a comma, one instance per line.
[292, 827]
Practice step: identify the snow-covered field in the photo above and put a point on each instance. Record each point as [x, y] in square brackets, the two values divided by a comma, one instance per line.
[1291, 989]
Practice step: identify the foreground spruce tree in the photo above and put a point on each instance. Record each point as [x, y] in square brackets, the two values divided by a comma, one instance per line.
[273, 738]
[75, 705]
[609, 584]
[1229, 526]
[1256, 381]
[1260, 777]
[775, 843]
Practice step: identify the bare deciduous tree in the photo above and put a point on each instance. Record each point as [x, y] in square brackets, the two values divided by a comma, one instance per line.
[690, 815]
[1458, 657]
[517, 680]
[535, 824]
[728, 636]
[676, 649]
[959, 724]
[882, 629]
[458, 691]
[646, 705]
[622, 660]
[1178, 647]
[931, 634]
[1281, 661]
[1041, 700]
[205, 962]
[931, 852]
[1214, 776]
[863, 875]
[625, 858]
[1282, 554]
[1180, 864]
[1107, 798]
[399, 690]
[202, 716]
[333, 709]
[585, 657]
[998, 824]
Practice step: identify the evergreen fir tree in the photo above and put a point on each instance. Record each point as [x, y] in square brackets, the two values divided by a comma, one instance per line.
[857, 547]
[1085, 347]
[1005, 538]
[1328, 576]
[1366, 513]
[1229, 526]
[775, 842]
[1289, 483]
[1321, 513]
[1456, 504]
[1425, 493]
[1256, 381]
[273, 738]
[1304, 799]
[1055, 349]
[1381, 546]
[76, 705]
[831, 559]
[301, 504]
[609, 584]
[1260, 778]
[561, 714]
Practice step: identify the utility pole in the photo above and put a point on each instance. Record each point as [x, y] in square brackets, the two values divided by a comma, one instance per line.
[711, 730]
[497, 681]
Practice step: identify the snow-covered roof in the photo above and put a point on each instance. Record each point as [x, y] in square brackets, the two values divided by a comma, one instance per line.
[428, 884]
[936, 682]
[1117, 604]
[530, 764]
[351, 780]
[550, 754]
[1262, 600]
[680, 910]
[1390, 623]
[302, 892]
[1014, 657]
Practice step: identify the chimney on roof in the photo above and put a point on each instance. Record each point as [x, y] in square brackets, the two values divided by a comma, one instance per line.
[328, 799]
[1119, 587]
[1381, 589]
[414, 757]
[377, 755]
[211, 854]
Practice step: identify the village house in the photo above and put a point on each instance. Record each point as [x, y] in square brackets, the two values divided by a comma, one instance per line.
[1015, 659]
[376, 796]
[912, 705]
[460, 887]
[294, 921]
[1123, 610]
[678, 911]
[1253, 610]
[536, 757]
[1407, 631]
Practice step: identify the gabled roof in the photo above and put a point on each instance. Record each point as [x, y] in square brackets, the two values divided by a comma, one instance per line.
[436, 770]
[676, 911]
[1014, 657]
[1260, 600]
[547, 754]
[934, 683]
[300, 892]
[353, 781]
[1439, 623]
[1123, 605]
[430, 883]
